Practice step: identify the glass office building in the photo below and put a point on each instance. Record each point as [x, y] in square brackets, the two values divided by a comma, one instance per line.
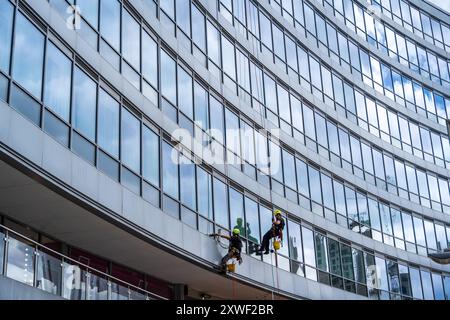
[336, 112]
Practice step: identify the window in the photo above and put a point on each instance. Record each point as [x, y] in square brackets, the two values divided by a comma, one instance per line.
[438, 288]
[339, 197]
[84, 104]
[420, 234]
[278, 42]
[252, 223]
[204, 193]
[275, 162]
[295, 248]
[57, 82]
[130, 141]
[427, 286]
[375, 219]
[131, 40]
[187, 183]
[371, 274]
[283, 104]
[150, 156]
[314, 183]
[289, 170]
[308, 115]
[228, 58]
[108, 124]
[333, 139]
[237, 211]
[266, 32]
[310, 259]
[169, 8]
[405, 282]
[185, 93]
[430, 235]
[89, 10]
[27, 68]
[321, 252]
[150, 59]
[220, 203]
[6, 26]
[393, 278]
[416, 284]
[271, 95]
[168, 77]
[170, 170]
[198, 28]
[302, 178]
[321, 127]
[352, 209]
[358, 265]
[110, 22]
[327, 190]
[397, 224]
[335, 257]
[201, 106]
[213, 43]
[315, 73]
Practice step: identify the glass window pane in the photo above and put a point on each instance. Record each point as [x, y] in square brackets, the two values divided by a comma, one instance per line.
[302, 178]
[204, 193]
[168, 77]
[108, 124]
[6, 26]
[89, 11]
[185, 93]
[427, 286]
[252, 223]
[327, 190]
[228, 58]
[310, 259]
[220, 203]
[437, 286]
[201, 106]
[110, 22]
[314, 183]
[289, 170]
[321, 252]
[150, 156]
[213, 43]
[150, 60]
[237, 211]
[187, 183]
[58, 75]
[130, 141]
[169, 8]
[28, 64]
[84, 104]
[335, 259]
[170, 170]
[198, 28]
[131, 32]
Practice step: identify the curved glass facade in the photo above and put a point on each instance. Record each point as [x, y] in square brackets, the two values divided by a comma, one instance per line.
[360, 108]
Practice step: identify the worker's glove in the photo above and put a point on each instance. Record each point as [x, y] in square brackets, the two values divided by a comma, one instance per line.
[212, 235]
[240, 261]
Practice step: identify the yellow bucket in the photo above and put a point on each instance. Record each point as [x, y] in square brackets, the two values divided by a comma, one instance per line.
[231, 267]
[276, 245]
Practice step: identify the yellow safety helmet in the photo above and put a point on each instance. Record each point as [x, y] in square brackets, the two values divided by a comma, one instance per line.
[236, 231]
[277, 212]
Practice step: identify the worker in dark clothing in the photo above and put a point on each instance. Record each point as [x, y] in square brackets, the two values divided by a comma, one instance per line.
[234, 248]
[276, 231]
